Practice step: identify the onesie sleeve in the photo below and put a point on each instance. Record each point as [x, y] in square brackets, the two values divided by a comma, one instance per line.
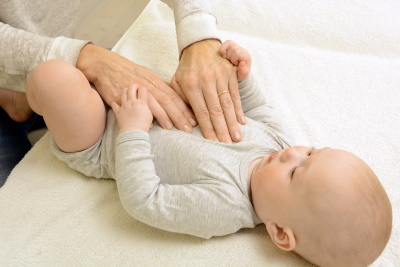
[194, 21]
[202, 209]
[255, 107]
[22, 51]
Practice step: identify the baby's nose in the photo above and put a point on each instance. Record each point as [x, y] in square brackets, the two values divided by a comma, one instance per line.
[289, 154]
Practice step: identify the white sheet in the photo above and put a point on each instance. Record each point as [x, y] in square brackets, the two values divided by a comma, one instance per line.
[333, 72]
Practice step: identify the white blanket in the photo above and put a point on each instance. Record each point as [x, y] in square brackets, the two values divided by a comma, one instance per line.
[333, 72]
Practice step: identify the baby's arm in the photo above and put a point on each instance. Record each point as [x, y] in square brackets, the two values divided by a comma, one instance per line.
[202, 209]
[134, 112]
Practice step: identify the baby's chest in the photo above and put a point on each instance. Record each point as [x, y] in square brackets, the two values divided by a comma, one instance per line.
[182, 158]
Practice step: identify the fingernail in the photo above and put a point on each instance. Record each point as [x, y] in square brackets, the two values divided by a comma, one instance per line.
[192, 122]
[228, 141]
[237, 135]
[168, 125]
[186, 128]
[243, 119]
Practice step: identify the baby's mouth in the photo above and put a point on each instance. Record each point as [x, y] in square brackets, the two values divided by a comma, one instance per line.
[272, 156]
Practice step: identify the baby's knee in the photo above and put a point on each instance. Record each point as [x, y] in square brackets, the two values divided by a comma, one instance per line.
[51, 75]
[48, 82]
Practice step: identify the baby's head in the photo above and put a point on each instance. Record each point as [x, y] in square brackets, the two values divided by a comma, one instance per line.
[325, 204]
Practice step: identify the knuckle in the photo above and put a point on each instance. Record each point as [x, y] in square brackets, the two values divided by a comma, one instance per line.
[165, 99]
[189, 82]
[207, 76]
[235, 95]
[208, 129]
[202, 114]
[174, 97]
[179, 117]
[222, 132]
[233, 125]
[216, 111]
[226, 103]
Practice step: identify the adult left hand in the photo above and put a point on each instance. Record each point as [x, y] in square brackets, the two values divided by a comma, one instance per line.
[112, 73]
[208, 82]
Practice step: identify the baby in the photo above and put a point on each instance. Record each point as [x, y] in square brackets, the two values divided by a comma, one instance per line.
[325, 204]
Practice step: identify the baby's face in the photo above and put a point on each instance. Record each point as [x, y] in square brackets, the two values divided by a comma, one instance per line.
[281, 180]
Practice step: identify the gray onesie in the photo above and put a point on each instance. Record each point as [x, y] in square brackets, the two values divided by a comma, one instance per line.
[181, 182]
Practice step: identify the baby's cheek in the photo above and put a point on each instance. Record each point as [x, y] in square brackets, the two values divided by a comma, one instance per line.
[274, 173]
[270, 177]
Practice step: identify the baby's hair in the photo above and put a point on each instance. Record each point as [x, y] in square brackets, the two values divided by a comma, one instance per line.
[356, 226]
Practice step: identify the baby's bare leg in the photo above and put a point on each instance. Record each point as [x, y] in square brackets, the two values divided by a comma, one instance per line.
[73, 111]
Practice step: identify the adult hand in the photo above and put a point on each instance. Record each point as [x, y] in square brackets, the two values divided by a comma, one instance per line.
[112, 73]
[208, 82]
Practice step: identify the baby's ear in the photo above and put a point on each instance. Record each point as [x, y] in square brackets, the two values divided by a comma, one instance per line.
[283, 237]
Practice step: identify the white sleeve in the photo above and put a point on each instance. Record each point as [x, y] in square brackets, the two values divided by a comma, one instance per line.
[22, 51]
[194, 21]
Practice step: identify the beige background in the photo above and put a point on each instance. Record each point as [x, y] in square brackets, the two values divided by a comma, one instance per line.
[105, 21]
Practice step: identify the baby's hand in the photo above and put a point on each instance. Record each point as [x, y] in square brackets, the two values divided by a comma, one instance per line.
[238, 56]
[134, 112]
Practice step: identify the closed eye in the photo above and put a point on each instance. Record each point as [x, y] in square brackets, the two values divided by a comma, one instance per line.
[292, 172]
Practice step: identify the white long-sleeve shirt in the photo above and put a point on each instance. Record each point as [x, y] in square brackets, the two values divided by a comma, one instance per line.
[32, 32]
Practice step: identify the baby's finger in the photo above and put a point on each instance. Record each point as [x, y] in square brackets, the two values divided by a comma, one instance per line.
[235, 57]
[224, 48]
[243, 71]
[132, 92]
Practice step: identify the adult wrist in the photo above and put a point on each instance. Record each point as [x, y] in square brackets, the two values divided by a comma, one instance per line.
[206, 43]
[86, 55]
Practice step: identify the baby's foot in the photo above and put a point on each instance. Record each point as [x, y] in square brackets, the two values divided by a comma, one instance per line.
[15, 104]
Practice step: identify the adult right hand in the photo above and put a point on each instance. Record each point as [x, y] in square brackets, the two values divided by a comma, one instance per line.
[208, 82]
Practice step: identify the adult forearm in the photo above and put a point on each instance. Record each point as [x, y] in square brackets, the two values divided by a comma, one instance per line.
[22, 51]
[18, 52]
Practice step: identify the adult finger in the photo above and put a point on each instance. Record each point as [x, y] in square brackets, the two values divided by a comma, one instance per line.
[195, 96]
[178, 89]
[174, 106]
[217, 114]
[229, 112]
[115, 107]
[184, 108]
[124, 96]
[158, 112]
[142, 94]
[235, 96]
